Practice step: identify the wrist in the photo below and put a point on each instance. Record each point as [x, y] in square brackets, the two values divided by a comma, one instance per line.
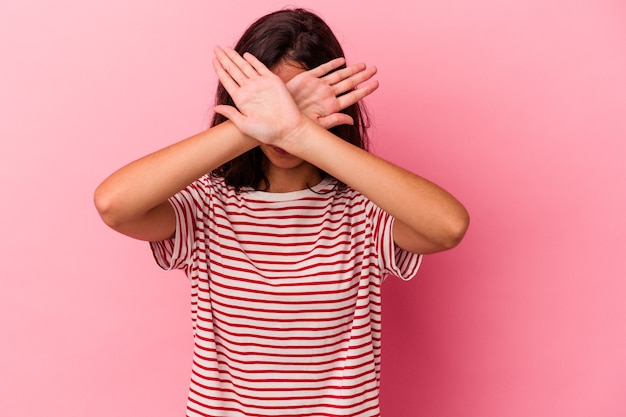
[237, 137]
[310, 142]
[296, 138]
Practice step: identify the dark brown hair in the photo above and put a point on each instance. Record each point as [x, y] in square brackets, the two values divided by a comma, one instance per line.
[300, 36]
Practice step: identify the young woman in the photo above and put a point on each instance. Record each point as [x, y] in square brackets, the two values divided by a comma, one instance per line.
[285, 226]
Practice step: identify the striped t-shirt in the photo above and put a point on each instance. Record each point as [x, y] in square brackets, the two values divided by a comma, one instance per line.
[286, 305]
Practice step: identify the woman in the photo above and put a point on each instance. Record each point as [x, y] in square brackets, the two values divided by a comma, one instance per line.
[285, 226]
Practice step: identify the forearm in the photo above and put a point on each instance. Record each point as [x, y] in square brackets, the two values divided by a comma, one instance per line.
[425, 208]
[144, 184]
[427, 217]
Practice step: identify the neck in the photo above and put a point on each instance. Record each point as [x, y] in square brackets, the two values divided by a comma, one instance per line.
[293, 179]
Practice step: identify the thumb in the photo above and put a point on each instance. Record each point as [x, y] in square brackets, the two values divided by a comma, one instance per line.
[335, 119]
[230, 113]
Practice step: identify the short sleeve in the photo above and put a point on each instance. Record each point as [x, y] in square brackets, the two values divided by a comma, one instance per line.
[393, 260]
[176, 253]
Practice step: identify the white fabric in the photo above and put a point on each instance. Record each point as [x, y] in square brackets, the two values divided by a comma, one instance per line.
[285, 298]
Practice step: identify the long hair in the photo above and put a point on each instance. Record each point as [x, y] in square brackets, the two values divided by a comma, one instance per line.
[303, 37]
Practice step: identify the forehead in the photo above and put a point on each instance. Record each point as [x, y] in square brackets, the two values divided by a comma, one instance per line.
[287, 69]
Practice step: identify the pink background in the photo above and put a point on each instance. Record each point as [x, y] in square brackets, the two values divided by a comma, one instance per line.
[517, 107]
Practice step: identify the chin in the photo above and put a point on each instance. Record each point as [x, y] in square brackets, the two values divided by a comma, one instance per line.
[280, 158]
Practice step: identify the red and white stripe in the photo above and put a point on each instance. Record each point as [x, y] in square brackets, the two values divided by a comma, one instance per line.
[285, 298]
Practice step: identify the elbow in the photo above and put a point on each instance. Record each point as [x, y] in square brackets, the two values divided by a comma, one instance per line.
[456, 228]
[106, 207]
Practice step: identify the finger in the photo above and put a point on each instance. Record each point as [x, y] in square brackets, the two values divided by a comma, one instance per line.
[243, 65]
[354, 80]
[258, 66]
[335, 119]
[354, 96]
[342, 74]
[230, 66]
[225, 78]
[327, 67]
[230, 113]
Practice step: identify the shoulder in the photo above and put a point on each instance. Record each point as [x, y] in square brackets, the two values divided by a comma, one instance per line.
[356, 199]
[211, 184]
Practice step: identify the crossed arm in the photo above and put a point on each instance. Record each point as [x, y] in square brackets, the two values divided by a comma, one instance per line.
[295, 117]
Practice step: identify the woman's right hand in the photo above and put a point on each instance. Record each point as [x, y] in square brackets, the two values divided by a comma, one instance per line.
[321, 94]
[275, 113]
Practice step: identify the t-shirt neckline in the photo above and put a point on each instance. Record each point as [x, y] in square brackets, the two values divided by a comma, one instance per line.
[319, 190]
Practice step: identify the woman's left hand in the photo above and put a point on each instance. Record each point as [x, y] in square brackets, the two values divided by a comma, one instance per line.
[320, 93]
[265, 109]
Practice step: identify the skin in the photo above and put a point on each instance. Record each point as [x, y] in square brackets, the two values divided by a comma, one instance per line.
[287, 172]
[286, 112]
